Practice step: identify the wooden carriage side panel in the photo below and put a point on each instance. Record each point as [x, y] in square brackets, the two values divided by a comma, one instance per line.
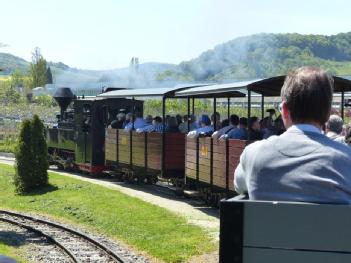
[205, 159]
[138, 149]
[190, 157]
[175, 151]
[219, 163]
[236, 147]
[111, 145]
[154, 151]
[124, 146]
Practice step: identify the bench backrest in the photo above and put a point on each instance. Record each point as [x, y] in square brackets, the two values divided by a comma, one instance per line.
[258, 231]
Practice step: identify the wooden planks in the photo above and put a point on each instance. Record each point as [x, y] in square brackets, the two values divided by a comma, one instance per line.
[174, 151]
[111, 144]
[214, 159]
[236, 147]
[219, 163]
[138, 148]
[154, 151]
[190, 157]
[124, 146]
[205, 149]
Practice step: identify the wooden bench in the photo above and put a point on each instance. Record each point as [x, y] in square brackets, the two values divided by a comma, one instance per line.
[284, 232]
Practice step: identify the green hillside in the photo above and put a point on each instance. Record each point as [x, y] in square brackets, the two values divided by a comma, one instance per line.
[8, 63]
[265, 55]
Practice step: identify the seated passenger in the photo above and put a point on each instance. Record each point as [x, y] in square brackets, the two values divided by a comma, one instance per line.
[348, 135]
[334, 128]
[183, 127]
[129, 117]
[239, 133]
[148, 125]
[139, 122]
[234, 122]
[254, 132]
[302, 164]
[172, 124]
[179, 119]
[267, 127]
[279, 126]
[118, 122]
[218, 120]
[157, 124]
[206, 128]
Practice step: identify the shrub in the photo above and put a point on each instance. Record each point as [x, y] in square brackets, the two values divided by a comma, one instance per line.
[40, 152]
[23, 178]
[31, 157]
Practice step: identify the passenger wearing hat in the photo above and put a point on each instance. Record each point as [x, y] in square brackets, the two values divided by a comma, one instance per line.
[206, 128]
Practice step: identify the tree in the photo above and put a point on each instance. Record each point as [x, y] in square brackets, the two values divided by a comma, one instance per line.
[40, 152]
[23, 178]
[37, 69]
[31, 157]
[49, 76]
[17, 79]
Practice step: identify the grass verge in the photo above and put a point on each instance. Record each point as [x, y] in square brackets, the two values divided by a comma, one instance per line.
[12, 252]
[144, 226]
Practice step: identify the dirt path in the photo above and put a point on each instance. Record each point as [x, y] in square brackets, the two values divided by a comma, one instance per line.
[193, 211]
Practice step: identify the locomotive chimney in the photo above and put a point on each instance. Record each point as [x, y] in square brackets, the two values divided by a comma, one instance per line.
[63, 97]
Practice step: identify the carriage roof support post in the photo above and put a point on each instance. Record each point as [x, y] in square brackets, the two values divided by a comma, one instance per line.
[228, 108]
[262, 106]
[214, 114]
[133, 112]
[163, 136]
[193, 106]
[188, 99]
[342, 104]
[131, 135]
[248, 102]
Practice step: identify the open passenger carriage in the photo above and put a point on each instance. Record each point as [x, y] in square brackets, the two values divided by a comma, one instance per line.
[146, 156]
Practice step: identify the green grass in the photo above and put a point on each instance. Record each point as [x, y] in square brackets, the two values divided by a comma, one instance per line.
[12, 252]
[146, 227]
[8, 144]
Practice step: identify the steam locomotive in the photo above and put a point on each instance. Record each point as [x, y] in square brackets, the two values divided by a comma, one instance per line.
[77, 142]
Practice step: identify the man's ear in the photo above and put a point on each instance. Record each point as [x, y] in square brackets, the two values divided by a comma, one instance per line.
[285, 110]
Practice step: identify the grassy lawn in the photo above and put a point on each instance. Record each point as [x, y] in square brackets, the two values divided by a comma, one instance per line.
[8, 145]
[141, 225]
[12, 252]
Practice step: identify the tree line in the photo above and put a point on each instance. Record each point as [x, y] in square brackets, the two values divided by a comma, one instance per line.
[20, 84]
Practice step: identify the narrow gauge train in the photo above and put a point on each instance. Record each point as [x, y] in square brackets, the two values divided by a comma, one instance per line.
[207, 165]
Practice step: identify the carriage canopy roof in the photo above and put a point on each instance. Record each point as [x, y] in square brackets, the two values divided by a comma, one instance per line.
[268, 87]
[149, 92]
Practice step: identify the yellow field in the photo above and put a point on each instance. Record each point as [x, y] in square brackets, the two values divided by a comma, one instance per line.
[3, 78]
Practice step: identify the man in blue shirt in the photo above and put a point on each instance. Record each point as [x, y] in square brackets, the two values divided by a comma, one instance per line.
[206, 128]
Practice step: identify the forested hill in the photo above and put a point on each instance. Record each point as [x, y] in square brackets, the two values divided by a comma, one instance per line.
[254, 56]
[265, 55]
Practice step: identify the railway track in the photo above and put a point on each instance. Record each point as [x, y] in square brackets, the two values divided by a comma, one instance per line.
[77, 247]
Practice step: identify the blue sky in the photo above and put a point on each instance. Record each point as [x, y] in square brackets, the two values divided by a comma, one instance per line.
[105, 34]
